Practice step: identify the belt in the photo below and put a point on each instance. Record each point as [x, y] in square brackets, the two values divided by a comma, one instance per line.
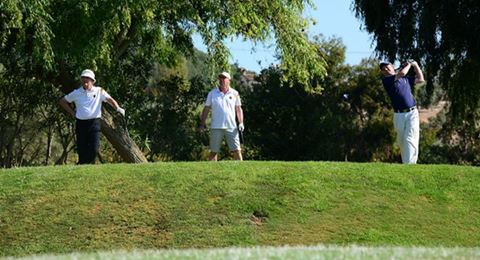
[405, 110]
[90, 119]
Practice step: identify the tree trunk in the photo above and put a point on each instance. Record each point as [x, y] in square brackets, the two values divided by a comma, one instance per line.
[120, 140]
[48, 152]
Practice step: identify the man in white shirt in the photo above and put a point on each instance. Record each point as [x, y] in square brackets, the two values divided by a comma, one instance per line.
[225, 104]
[88, 101]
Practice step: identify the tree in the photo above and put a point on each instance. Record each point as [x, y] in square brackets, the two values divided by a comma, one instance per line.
[52, 41]
[349, 121]
[443, 35]
[28, 117]
[171, 103]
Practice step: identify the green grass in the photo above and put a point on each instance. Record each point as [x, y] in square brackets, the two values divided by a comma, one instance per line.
[203, 205]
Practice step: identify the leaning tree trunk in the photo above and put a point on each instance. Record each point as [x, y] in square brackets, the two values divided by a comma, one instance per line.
[118, 136]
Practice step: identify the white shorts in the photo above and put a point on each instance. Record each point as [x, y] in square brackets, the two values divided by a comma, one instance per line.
[216, 137]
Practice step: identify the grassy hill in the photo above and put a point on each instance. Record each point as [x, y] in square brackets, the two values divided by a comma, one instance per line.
[185, 205]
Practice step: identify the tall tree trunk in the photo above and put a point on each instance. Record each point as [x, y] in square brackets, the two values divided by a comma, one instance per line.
[119, 138]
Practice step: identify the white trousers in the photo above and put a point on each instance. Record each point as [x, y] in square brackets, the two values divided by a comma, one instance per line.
[407, 126]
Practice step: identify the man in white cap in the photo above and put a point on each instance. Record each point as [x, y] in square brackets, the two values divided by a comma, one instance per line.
[88, 111]
[225, 104]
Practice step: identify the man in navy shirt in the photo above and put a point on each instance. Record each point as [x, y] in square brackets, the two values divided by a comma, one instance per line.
[405, 118]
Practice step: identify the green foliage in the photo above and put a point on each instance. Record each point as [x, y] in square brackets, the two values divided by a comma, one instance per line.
[443, 35]
[458, 144]
[168, 118]
[48, 43]
[258, 20]
[57, 39]
[197, 65]
[185, 205]
[351, 120]
[32, 132]
[431, 149]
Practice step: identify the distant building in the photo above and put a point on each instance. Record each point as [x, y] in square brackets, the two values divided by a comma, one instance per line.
[247, 78]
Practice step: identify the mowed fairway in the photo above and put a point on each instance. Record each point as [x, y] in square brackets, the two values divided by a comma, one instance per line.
[285, 252]
[57, 210]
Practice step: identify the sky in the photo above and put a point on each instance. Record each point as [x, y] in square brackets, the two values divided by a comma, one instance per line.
[333, 18]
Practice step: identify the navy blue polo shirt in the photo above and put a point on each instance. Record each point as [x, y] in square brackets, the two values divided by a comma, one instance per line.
[400, 91]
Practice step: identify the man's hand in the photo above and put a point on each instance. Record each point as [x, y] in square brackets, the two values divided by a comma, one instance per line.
[408, 62]
[241, 127]
[121, 111]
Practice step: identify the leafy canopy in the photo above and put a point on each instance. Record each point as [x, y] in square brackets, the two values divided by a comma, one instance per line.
[60, 38]
[443, 35]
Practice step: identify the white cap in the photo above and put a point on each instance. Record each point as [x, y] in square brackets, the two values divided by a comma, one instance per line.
[224, 74]
[89, 74]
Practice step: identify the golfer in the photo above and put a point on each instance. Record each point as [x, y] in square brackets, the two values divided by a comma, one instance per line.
[225, 104]
[88, 111]
[405, 118]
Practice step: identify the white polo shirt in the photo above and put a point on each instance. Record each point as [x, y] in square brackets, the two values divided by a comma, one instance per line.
[88, 103]
[223, 108]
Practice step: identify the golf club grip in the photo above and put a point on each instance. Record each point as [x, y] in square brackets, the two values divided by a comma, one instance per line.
[240, 134]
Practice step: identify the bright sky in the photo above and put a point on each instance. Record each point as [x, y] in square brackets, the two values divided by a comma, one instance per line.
[333, 17]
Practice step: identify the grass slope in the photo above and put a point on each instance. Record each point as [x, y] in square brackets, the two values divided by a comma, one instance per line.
[185, 205]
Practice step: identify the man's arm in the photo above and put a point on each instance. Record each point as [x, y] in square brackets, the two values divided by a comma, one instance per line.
[203, 118]
[239, 111]
[66, 106]
[115, 105]
[403, 71]
[418, 73]
[112, 103]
